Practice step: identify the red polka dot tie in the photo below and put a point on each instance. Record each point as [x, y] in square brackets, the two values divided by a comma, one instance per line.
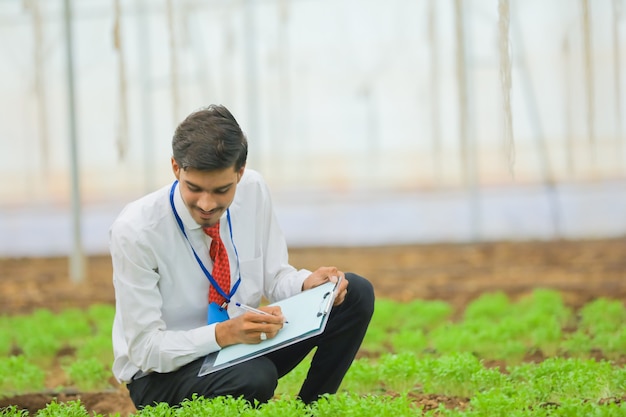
[221, 267]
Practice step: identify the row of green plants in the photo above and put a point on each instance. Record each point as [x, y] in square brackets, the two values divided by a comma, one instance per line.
[493, 403]
[76, 341]
[411, 349]
[494, 327]
[552, 384]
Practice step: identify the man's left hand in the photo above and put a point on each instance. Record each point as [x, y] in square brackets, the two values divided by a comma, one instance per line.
[326, 274]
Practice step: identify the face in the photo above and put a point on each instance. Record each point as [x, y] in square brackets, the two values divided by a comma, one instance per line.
[207, 194]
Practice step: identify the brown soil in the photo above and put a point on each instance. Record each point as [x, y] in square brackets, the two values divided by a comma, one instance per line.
[456, 273]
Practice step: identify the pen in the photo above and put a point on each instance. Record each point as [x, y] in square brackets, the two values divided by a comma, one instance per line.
[254, 310]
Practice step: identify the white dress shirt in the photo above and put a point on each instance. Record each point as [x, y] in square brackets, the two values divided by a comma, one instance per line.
[160, 290]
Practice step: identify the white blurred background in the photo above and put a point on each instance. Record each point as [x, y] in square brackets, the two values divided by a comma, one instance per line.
[374, 122]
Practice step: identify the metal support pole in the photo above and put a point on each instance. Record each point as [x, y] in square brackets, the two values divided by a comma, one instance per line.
[145, 87]
[252, 83]
[617, 73]
[468, 145]
[77, 258]
[589, 81]
[435, 91]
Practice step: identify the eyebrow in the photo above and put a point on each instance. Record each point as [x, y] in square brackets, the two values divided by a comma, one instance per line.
[219, 188]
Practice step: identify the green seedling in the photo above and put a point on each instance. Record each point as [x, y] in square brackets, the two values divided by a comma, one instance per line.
[88, 375]
[400, 372]
[13, 411]
[362, 378]
[18, 375]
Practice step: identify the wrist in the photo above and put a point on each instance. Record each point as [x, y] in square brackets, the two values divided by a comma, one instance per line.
[305, 284]
[222, 334]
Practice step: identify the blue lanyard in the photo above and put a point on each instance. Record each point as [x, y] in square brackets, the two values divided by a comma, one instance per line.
[206, 271]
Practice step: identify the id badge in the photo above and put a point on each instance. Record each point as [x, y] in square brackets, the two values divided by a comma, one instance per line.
[216, 314]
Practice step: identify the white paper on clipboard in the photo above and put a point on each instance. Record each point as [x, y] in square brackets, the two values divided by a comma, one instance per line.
[307, 313]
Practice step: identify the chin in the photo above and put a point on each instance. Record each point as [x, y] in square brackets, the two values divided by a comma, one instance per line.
[205, 223]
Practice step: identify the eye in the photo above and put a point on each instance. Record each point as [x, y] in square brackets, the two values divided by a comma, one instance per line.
[222, 190]
[193, 188]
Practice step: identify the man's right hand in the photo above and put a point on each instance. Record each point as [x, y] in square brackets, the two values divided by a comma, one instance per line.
[249, 327]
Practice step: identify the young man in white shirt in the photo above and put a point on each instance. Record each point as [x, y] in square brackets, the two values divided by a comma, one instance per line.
[162, 272]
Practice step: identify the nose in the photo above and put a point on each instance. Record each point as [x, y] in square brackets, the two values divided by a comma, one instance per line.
[206, 202]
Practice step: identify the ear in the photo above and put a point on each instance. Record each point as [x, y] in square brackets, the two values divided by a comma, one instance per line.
[240, 173]
[175, 168]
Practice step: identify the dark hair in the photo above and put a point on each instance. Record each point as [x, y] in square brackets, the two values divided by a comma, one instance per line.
[210, 139]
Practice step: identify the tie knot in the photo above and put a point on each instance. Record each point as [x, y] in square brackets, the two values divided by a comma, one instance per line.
[213, 231]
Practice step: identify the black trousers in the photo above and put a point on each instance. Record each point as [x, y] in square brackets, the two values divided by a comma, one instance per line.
[257, 378]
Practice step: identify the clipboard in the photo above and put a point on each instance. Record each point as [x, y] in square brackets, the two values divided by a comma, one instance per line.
[307, 313]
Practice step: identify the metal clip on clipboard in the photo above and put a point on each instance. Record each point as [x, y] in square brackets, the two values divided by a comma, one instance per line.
[329, 298]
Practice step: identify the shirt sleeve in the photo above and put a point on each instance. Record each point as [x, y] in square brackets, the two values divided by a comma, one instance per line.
[151, 346]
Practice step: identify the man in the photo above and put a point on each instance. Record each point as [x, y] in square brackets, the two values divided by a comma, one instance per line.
[177, 282]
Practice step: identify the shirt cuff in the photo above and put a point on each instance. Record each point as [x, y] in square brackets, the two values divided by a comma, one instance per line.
[303, 274]
[204, 339]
